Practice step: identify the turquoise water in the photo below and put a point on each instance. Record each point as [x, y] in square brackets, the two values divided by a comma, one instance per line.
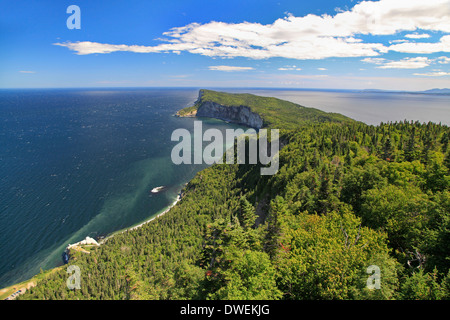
[77, 163]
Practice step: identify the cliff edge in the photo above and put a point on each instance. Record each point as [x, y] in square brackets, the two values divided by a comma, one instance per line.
[208, 108]
[256, 111]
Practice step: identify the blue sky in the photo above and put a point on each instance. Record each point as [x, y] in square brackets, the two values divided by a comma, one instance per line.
[339, 44]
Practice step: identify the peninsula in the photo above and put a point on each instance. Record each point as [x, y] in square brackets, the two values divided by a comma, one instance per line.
[256, 111]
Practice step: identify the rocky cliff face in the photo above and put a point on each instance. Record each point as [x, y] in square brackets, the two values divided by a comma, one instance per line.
[237, 114]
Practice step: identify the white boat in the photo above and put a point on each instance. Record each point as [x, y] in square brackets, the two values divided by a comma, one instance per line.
[157, 189]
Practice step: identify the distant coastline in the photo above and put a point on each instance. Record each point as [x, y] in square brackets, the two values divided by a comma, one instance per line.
[444, 91]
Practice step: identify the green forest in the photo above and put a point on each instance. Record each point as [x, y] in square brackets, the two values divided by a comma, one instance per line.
[347, 196]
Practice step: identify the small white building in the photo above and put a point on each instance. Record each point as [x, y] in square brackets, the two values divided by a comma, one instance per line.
[86, 241]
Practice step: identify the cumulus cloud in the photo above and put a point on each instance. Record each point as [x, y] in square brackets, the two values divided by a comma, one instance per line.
[229, 68]
[423, 47]
[306, 37]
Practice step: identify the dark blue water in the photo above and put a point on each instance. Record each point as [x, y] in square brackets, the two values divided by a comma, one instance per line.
[77, 163]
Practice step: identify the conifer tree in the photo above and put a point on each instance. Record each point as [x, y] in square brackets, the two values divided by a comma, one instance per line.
[411, 145]
[247, 214]
[387, 150]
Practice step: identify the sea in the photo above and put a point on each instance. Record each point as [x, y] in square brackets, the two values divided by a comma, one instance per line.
[83, 162]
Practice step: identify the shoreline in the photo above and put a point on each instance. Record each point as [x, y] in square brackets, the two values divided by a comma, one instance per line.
[101, 242]
[178, 198]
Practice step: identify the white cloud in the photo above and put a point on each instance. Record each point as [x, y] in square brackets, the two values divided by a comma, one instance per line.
[423, 47]
[443, 60]
[417, 36]
[229, 68]
[374, 60]
[433, 74]
[88, 47]
[306, 37]
[27, 71]
[406, 63]
[289, 68]
[322, 69]
[398, 41]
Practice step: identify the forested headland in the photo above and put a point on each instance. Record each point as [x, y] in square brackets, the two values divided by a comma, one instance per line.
[347, 196]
